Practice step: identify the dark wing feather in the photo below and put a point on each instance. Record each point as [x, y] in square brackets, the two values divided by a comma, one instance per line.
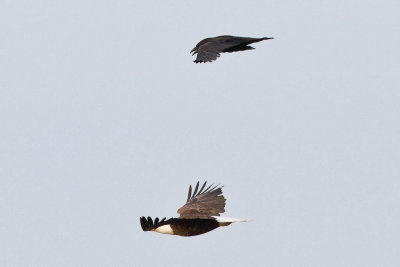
[148, 224]
[207, 53]
[203, 203]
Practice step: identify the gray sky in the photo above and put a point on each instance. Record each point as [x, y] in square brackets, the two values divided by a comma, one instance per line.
[105, 118]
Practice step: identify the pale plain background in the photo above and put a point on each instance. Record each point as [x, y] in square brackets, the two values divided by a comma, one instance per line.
[105, 118]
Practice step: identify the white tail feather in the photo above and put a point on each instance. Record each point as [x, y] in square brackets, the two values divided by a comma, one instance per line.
[230, 220]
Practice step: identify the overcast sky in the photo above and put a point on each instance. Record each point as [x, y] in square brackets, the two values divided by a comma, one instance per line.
[104, 118]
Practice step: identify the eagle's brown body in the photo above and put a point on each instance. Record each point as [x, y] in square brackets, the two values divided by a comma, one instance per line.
[199, 215]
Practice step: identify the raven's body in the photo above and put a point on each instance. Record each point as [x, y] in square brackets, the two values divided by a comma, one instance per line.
[209, 49]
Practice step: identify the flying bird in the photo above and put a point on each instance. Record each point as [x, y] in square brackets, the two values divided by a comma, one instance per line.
[199, 215]
[208, 50]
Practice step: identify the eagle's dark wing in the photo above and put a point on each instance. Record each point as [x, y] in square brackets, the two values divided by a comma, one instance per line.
[203, 203]
[148, 224]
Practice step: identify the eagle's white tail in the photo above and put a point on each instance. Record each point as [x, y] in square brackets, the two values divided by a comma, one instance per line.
[229, 220]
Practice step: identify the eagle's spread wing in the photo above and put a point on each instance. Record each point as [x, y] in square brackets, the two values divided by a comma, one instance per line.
[203, 203]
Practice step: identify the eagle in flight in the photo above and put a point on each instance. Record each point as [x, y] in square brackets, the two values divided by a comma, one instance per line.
[199, 215]
[208, 50]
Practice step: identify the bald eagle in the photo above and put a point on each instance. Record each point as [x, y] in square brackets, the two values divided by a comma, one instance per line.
[199, 215]
[208, 50]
